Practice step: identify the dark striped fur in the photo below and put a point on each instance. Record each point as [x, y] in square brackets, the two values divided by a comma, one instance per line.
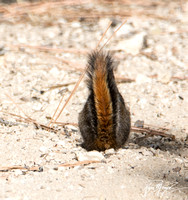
[104, 121]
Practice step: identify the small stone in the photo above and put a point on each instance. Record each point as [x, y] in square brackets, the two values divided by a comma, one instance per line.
[18, 172]
[139, 124]
[177, 169]
[61, 143]
[147, 153]
[2, 50]
[37, 107]
[43, 149]
[54, 71]
[164, 78]
[73, 128]
[180, 97]
[186, 165]
[160, 49]
[126, 29]
[165, 101]
[75, 24]
[122, 187]
[141, 78]
[110, 151]
[110, 170]
[92, 155]
[124, 151]
[156, 30]
[134, 44]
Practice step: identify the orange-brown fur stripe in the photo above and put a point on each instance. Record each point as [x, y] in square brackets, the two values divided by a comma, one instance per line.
[103, 101]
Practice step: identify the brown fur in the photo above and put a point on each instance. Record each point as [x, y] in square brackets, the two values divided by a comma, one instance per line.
[104, 121]
[103, 105]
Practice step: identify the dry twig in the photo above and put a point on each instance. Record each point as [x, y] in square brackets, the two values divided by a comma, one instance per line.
[33, 168]
[86, 162]
[76, 86]
[60, 86]
[49, 49]
[151, 132]
[29, 120]
[120, 79]
[158, 131]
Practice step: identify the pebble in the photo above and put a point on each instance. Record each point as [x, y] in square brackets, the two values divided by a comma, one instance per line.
[18, 172]
[164, 77]
[43, 149]
[160, 49]
[75, 24]
[176, 169]
[37, 107]
[92, 155]
[141, 78]
[147, 153]
[61, 143]
[110, 170]
[132, 45]
[110, 151]
[126, 29]
[139, 124]
[54, 71]
[73, 128]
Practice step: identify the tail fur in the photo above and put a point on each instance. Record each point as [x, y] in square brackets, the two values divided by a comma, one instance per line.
[104, 121]
[100, 70]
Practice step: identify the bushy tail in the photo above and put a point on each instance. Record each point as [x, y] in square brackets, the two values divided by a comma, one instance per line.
[100, 69]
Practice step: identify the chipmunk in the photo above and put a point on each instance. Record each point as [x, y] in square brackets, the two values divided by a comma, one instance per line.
[104, 121]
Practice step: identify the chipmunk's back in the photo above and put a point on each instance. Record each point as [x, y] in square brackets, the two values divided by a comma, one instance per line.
[104, 121]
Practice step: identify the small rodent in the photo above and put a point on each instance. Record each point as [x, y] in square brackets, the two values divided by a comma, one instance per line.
[104, 121]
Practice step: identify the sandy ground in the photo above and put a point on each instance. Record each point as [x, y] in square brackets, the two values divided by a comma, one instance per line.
[148, 49]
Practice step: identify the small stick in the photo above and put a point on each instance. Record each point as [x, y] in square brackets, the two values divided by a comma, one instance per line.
[60, 85]
[19, 108]
[120, 79]
[103, 34]
[147, 130]
[173, 78]
[151, 132]
[29, 119]
[75, 87]
[33, 168]
[66, 123]
[113, 34]
[81, 77]
[32, 121]
[41, 48]
[11, 168]
[86, 162]
[55, 111]
[179, 78]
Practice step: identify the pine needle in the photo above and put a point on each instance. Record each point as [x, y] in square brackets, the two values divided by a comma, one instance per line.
[77, 84]
[113, 34]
